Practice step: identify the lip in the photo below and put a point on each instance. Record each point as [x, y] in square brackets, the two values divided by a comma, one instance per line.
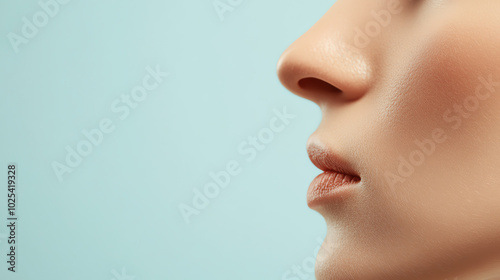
[336, 180]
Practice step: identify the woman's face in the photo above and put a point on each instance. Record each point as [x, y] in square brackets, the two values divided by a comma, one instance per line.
[410, 96]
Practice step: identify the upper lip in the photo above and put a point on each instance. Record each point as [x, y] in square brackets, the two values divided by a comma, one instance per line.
[326, 160]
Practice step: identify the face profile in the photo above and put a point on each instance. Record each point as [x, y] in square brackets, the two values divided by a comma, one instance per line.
[409, 142]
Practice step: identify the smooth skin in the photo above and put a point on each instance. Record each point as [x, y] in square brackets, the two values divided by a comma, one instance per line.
[414, 107]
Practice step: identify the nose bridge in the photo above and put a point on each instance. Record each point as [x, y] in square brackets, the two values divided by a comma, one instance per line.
[326, 61]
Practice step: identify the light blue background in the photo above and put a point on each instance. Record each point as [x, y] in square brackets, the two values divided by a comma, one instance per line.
[118, 209]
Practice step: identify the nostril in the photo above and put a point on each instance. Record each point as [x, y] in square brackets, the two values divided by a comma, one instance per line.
[317, 85]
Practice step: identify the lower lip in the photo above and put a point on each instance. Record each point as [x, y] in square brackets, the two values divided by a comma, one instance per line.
[328, 187]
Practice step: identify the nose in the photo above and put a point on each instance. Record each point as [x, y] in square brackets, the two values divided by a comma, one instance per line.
[325, 63]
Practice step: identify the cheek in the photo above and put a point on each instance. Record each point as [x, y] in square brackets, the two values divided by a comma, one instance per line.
[433, 87]
[449, 82]
[430, 125]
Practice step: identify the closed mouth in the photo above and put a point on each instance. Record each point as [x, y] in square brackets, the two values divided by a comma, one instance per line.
[334, 182]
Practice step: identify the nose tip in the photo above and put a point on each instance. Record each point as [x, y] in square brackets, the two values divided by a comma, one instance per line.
[322, 66]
